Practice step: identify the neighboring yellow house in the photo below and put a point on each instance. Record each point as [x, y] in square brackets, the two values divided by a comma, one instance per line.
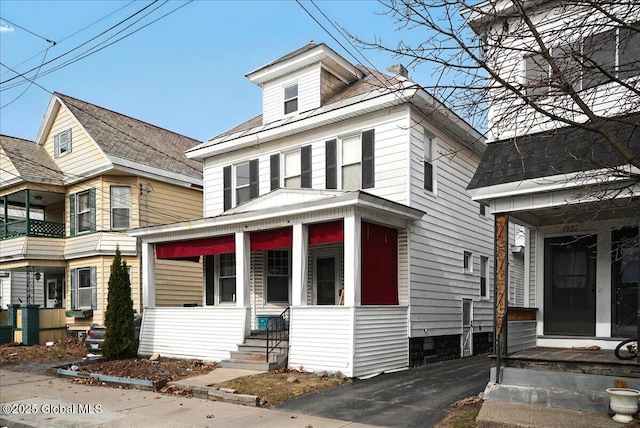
[69, 198]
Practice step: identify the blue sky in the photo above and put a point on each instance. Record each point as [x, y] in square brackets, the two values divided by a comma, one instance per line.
[184, 72]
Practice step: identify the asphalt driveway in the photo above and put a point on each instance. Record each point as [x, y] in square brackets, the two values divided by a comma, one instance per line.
[418, 397]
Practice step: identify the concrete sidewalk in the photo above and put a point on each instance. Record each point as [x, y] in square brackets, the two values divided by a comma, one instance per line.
[35, 400]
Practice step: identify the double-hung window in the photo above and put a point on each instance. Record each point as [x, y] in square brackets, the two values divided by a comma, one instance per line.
[277, 276]
[291, 98]
[297, 169]
[120, 207]
[83, 288]
[240, 183]
[467, 262]
[292, 170]
[82, 209]
[227, 278]
[484, 274]
[428, 161]
[62, 143]
[351, 163]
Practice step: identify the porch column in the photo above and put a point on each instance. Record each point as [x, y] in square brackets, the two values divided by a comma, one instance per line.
[243, 269]
[299, 250]
[352, 260]
[501, 272]
[148, 272]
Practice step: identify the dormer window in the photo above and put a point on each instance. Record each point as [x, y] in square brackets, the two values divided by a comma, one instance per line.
[291, 99]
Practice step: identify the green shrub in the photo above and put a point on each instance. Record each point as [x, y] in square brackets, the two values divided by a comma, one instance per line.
[120, 336]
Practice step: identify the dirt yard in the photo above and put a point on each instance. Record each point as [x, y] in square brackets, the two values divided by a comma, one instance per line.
[274, 387]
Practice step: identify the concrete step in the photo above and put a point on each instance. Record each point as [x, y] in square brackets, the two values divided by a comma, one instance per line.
[259, 341]
[574, 391]
[255, 356]
[232, 363]
[497, 414]
[281, 349]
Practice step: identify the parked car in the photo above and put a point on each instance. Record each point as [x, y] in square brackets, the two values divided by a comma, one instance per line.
[95, 335]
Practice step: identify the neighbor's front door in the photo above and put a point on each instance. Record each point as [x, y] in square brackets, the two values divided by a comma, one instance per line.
[326, 279]
[570, 286]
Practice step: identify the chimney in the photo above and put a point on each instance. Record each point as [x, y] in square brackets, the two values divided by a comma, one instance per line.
[398, 70]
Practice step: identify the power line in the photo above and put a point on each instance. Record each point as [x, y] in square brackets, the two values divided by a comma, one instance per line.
[30, 83]
[73, 34]
[86, 42]
[29, 31]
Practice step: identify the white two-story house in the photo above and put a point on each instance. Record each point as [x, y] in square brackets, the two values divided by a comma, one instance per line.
[563, 178]
[341, 209]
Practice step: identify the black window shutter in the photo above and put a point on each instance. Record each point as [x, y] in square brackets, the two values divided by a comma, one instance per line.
[368, 163]
[274, 164]
[253, 179]
[305, 167]
[226, 184]
[331, 170]
[209, 278]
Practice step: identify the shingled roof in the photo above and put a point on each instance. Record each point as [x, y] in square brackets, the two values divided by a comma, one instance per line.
[372, 81]
[134, 140]
[31, 160]
[550, 153]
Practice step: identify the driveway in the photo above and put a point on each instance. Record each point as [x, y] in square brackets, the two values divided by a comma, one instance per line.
[418, 397]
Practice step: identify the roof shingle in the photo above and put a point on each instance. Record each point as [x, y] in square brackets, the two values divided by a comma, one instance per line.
[31, 160]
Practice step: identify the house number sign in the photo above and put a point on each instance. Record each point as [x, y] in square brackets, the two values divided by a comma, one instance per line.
[570, 228]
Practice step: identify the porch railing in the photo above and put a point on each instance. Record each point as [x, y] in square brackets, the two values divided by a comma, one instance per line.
[13, 229]
[277, 331]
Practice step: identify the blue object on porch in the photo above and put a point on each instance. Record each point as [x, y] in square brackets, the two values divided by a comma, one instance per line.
[265, 320]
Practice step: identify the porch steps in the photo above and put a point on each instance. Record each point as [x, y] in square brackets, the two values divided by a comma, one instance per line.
[251, 355]
[550, 388]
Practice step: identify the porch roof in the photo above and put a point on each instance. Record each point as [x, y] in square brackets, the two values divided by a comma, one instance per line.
[556, 153]
[281, 203]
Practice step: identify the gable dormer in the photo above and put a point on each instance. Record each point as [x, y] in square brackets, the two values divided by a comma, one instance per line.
[302, 80]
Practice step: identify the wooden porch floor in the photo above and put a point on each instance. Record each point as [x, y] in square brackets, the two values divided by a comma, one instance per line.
[603, 362]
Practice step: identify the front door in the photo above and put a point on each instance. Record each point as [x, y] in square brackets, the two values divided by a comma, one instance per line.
[326, 288]
[570, 286]
[624, 281]
[51, 293]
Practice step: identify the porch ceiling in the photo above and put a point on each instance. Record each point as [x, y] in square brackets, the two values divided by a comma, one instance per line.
[36, 197]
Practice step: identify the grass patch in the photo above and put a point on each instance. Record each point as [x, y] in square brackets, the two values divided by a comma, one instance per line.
[462, 414]
[278, 386]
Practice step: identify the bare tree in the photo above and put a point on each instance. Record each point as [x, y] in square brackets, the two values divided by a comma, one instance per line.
[533, 64]
[518, 67]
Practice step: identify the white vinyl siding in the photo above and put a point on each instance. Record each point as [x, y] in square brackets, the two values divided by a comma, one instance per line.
[180, 332]
[390, 175]
[273, 93]
[437, 242]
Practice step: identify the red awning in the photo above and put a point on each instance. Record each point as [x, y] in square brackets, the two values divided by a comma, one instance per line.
[326, 233]
[196, 248]
[272, 239]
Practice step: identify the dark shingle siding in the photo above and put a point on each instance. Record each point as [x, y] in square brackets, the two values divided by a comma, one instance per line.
[562, 151]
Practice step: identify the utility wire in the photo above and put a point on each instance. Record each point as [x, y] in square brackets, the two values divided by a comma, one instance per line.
[73, 34]
[29, 31]
[86, 42]
[30, 83]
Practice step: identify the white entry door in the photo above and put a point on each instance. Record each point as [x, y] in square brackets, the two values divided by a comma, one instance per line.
[51, 293]
[467, 327]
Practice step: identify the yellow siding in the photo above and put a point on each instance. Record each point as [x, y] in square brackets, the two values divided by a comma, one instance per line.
[162, 203]
[103, 270]
[178, 282]
[84, 154]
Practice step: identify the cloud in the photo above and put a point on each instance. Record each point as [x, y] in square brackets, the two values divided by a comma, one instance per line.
[6, 29]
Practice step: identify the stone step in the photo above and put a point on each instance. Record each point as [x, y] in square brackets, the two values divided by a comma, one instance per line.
[255, 356]
[279, 361]
[252, 341]
[280, 349]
